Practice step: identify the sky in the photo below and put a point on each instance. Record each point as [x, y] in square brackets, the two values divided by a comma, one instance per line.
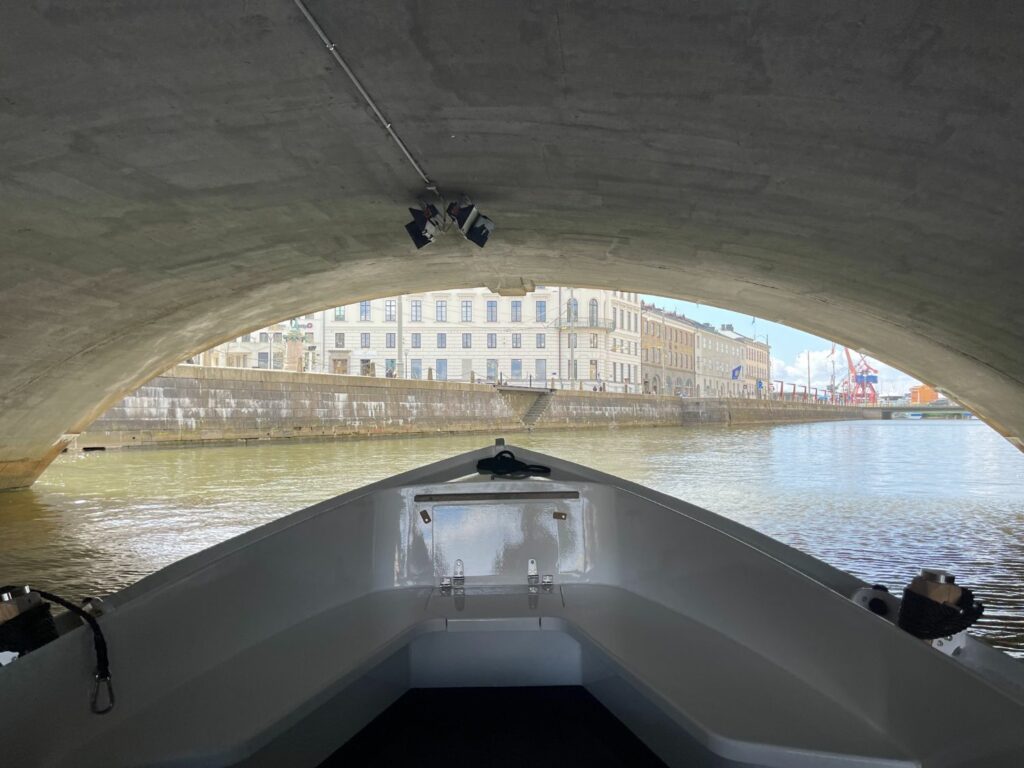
[790, 348]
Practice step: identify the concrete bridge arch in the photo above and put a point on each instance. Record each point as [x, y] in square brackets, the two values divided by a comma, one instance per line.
[172, 175]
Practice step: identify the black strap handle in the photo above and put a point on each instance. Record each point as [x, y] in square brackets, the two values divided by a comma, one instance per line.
[505, 464]
[103, 684]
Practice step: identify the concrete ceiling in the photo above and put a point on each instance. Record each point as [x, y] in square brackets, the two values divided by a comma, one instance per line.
[174, 174]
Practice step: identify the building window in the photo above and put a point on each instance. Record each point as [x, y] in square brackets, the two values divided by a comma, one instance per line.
[492, 311]
[517, 368]
[364, 310]
[339, 313]
[262, 360]
[541, 368]
[542, 311]
[417, 341]
[572, 341]
[542, 341]
[572, 311]
[416, 368]
[517, 311]
[574, 369]
[441, 311]
[442, 341]
[264, 337]
[339, 341]
[389, 310]
[416, 311]
[389, 340]
[492, 341]
[278, 337]
[492, 369]
[308, 338]
[246, 338]
[517, 340]
[467, 340]
[593, 313]
[442, 369]
[364, 340]
[390, 368]
[593, 341]
[467, 311]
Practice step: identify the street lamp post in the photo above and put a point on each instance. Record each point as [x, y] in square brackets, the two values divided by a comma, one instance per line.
[400, 364]
[323, 341]
[572, 338]
[664, 333]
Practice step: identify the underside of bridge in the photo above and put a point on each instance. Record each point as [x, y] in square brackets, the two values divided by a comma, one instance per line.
[175, 174]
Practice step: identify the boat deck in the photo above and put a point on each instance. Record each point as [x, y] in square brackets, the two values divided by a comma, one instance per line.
[730, 700]
[711, 643]
[499, 727]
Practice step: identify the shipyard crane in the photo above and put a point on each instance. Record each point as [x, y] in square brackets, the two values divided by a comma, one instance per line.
[859, 386]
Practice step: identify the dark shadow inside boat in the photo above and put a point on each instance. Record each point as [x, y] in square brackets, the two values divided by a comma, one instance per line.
[537, 726]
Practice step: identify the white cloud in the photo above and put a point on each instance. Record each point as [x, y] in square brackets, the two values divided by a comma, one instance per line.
[890, 380]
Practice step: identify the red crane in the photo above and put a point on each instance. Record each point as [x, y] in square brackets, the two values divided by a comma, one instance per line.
[859, 386]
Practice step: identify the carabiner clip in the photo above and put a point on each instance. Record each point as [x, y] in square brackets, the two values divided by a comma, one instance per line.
[104, 682]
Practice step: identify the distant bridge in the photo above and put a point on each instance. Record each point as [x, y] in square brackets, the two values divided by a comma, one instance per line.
[927, 411]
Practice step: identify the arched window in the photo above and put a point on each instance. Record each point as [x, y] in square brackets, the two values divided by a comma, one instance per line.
[593, 313]
[572, 311]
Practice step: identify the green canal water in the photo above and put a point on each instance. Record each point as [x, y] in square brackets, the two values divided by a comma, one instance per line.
[878, 499]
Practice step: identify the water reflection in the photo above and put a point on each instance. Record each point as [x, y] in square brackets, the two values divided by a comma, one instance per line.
[878, 499]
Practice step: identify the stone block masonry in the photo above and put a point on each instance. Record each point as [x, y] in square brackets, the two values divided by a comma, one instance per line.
[191, 405]
[601, 409]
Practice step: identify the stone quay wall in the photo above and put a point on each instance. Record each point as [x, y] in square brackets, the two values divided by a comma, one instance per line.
[191, 405]
[783, 411]
[600, 409]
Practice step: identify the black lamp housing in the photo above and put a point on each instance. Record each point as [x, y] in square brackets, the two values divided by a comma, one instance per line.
[473, 225]
[424, 225]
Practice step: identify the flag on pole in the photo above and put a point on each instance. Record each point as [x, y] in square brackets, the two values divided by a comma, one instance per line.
[736, 371]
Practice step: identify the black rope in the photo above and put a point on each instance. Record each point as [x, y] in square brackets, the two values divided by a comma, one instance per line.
[102, 675]
[505, 464]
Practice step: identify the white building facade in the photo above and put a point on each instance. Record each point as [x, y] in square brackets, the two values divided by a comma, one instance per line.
[599, 339]
[756, 364]
[463, 335]
[718, 364]
[560, 337]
